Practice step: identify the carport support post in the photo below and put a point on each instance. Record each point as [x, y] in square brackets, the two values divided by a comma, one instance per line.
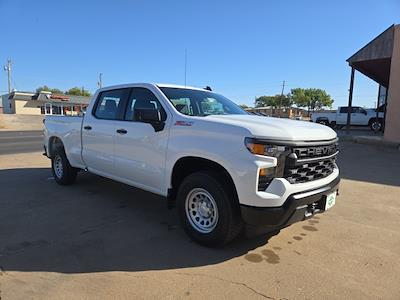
[377, 102]
[350, 101]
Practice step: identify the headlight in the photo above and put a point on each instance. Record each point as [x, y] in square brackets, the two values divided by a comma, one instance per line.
[262, 148]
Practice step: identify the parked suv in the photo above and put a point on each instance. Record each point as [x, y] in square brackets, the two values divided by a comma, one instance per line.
[222, 167]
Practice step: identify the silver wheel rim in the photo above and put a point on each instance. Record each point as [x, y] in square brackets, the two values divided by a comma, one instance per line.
[201, 210]
[58, 166]
[376, 126]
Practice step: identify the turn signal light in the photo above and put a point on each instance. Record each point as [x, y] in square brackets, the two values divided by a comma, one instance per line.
[265, 177]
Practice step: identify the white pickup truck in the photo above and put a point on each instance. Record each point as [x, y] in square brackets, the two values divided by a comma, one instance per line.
[220, 166]
[359, 117]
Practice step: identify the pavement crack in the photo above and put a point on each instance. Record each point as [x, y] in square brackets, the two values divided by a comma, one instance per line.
[229, 281]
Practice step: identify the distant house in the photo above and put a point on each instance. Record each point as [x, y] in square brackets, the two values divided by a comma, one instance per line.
[43, 103]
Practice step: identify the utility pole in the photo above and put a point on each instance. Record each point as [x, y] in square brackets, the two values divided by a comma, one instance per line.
[100, 82]
[8, 69]
[185, 64]
[280, 102]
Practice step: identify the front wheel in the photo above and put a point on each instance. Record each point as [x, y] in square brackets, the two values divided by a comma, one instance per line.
[63, 172]
[208, 210]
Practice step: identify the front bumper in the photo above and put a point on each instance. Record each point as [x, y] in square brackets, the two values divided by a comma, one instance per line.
[297, 207]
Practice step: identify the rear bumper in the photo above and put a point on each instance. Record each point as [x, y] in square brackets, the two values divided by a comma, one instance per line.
[297, 207]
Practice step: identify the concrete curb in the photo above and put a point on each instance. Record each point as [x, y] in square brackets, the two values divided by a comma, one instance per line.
[370, 140]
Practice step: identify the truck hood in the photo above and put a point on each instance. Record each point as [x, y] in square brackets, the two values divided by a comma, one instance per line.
[277, 128]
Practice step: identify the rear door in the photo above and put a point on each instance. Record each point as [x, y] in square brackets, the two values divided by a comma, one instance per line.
[341, 116]
[358, 116]
[99, 128]
[140, 149]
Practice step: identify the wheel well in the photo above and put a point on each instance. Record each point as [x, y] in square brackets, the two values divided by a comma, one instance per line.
[54, 144]
[373, 119]
[188, 165]
[322, 119]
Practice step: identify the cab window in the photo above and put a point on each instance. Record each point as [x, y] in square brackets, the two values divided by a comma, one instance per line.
[142, 98]
[110, 104]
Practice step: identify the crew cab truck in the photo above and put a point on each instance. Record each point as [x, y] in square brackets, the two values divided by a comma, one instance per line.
[359, 117]
[222, 167]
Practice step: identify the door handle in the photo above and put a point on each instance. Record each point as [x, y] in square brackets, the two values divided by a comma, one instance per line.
[122, 131]
[87, 127]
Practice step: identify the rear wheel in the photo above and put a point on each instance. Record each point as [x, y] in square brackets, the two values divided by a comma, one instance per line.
[375, 125]
[208, 209]
[63, 172]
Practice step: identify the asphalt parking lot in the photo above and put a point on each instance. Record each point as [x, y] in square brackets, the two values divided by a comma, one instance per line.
[101, 239]
[21, 141]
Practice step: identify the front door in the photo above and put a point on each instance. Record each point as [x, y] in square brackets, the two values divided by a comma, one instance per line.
[140, 149]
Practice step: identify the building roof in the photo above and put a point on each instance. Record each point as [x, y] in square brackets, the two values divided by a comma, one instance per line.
[46, 97]
[374, 59]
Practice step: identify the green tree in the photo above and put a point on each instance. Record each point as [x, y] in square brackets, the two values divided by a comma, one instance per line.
[78, 92]
[274, 101]
[313, 99]
[244, 106]
[266, 101]
[47, 89]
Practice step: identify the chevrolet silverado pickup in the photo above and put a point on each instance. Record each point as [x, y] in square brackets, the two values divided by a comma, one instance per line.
[221, 167]
[359, 117]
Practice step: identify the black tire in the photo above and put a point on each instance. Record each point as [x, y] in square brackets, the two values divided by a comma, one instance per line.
[375, 125]
[229, 222]
[63, 172]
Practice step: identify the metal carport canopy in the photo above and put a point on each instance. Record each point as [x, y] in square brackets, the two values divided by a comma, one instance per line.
[373, 60]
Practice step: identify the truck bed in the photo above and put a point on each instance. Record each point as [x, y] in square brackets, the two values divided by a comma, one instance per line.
[68, 129]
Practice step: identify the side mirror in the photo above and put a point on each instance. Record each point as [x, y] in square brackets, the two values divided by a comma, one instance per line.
[151, 116]
[147, 115]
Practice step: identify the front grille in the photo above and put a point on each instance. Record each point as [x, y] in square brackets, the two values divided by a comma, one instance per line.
[308, 163]
[310, 171]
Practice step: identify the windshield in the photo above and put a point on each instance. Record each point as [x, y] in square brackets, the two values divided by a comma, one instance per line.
[201, 103]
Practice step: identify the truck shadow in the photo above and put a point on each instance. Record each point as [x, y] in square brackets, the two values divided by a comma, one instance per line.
[95, 225]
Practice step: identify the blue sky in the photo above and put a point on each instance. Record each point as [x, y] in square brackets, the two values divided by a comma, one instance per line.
[242, 49]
